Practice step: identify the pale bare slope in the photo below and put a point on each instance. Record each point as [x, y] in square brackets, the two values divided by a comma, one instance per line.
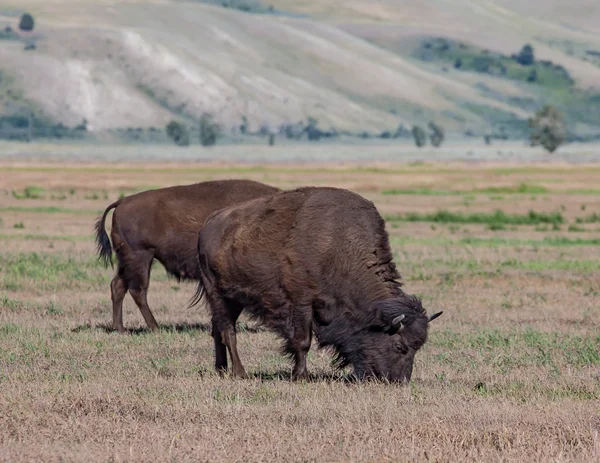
[136, 63]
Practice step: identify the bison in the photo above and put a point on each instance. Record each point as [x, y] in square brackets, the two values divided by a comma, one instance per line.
[162, 224]
[313, 259]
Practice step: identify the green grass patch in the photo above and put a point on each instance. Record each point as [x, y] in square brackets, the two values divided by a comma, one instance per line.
[449, 269]
[496, 226]
[592, 218]
[583, 191]
[53, 271]
[495, 242]
[497, 218]
[421, 192]
[30, 192]
[526, 347]
[513, 242]
[523, 188]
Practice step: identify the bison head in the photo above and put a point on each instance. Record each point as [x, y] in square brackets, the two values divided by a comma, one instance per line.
[384, 346]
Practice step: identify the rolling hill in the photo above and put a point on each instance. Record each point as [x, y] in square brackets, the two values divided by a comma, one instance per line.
[351, 65]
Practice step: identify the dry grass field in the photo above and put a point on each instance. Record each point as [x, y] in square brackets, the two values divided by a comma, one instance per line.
[511, 371]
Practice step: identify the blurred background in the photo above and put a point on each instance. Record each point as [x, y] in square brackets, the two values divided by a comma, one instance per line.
[457, 74]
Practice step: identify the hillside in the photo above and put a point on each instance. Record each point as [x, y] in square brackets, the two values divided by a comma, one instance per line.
[352, 65]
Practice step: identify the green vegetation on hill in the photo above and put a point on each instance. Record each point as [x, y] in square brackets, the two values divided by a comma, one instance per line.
[247, 6]
[521, 67]
[548, 83]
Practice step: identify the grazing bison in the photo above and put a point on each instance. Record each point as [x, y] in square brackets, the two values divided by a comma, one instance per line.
[310, 259]
[162, 224]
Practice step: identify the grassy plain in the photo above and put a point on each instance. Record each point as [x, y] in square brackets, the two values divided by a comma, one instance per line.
[511, 371]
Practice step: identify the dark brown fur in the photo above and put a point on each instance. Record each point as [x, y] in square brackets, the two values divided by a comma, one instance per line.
[310, 259]
[162, 224]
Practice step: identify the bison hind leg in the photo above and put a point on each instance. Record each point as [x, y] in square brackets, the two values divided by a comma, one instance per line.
[118, 290]
[138, 281]
[225, 313]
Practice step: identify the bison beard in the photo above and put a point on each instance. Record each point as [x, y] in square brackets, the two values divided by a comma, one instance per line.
[310, 260]
[162, 224]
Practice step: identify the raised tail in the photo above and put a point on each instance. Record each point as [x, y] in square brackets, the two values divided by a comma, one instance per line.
[103, 245]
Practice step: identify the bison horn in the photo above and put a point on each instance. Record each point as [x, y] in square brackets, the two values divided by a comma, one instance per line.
[396, 324]
[434, 316]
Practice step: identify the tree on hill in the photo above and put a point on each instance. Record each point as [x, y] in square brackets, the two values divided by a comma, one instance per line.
[209, 130]
[437, 134]
[419, 136]
[178, 133]
[526, 56]
[27, 22]
[548, 128]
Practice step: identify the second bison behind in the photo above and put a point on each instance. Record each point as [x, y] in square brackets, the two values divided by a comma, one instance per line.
[311, 259]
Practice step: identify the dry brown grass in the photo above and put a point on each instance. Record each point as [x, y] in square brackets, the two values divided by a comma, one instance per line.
[511, 371]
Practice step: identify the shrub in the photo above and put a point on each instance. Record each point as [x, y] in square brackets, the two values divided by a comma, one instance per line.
[178, 133]
[401, 131]
[312, 131]
[244, 125]
[437, 134]
[209, 130]
[526, 56]
[27, 22]
[419, 136]
[271, 139]
[548, 128]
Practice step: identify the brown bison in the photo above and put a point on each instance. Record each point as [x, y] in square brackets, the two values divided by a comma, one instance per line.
[310, 259]
[162, 224]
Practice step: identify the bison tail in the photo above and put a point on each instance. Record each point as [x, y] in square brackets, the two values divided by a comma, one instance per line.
[198, 296]
[202, 267]
[103, 246]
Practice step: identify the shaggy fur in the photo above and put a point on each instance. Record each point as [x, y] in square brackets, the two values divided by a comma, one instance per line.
[310, 260]
[162, 224]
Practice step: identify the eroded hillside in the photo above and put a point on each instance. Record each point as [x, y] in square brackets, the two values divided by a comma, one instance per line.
[351, 65]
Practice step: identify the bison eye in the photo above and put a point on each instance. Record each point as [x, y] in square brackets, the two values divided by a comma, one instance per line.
[400, 347]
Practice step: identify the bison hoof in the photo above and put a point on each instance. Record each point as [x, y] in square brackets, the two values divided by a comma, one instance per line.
[303, 376]
[240, 374]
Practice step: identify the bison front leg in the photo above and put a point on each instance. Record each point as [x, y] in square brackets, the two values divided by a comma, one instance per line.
[220, 352]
